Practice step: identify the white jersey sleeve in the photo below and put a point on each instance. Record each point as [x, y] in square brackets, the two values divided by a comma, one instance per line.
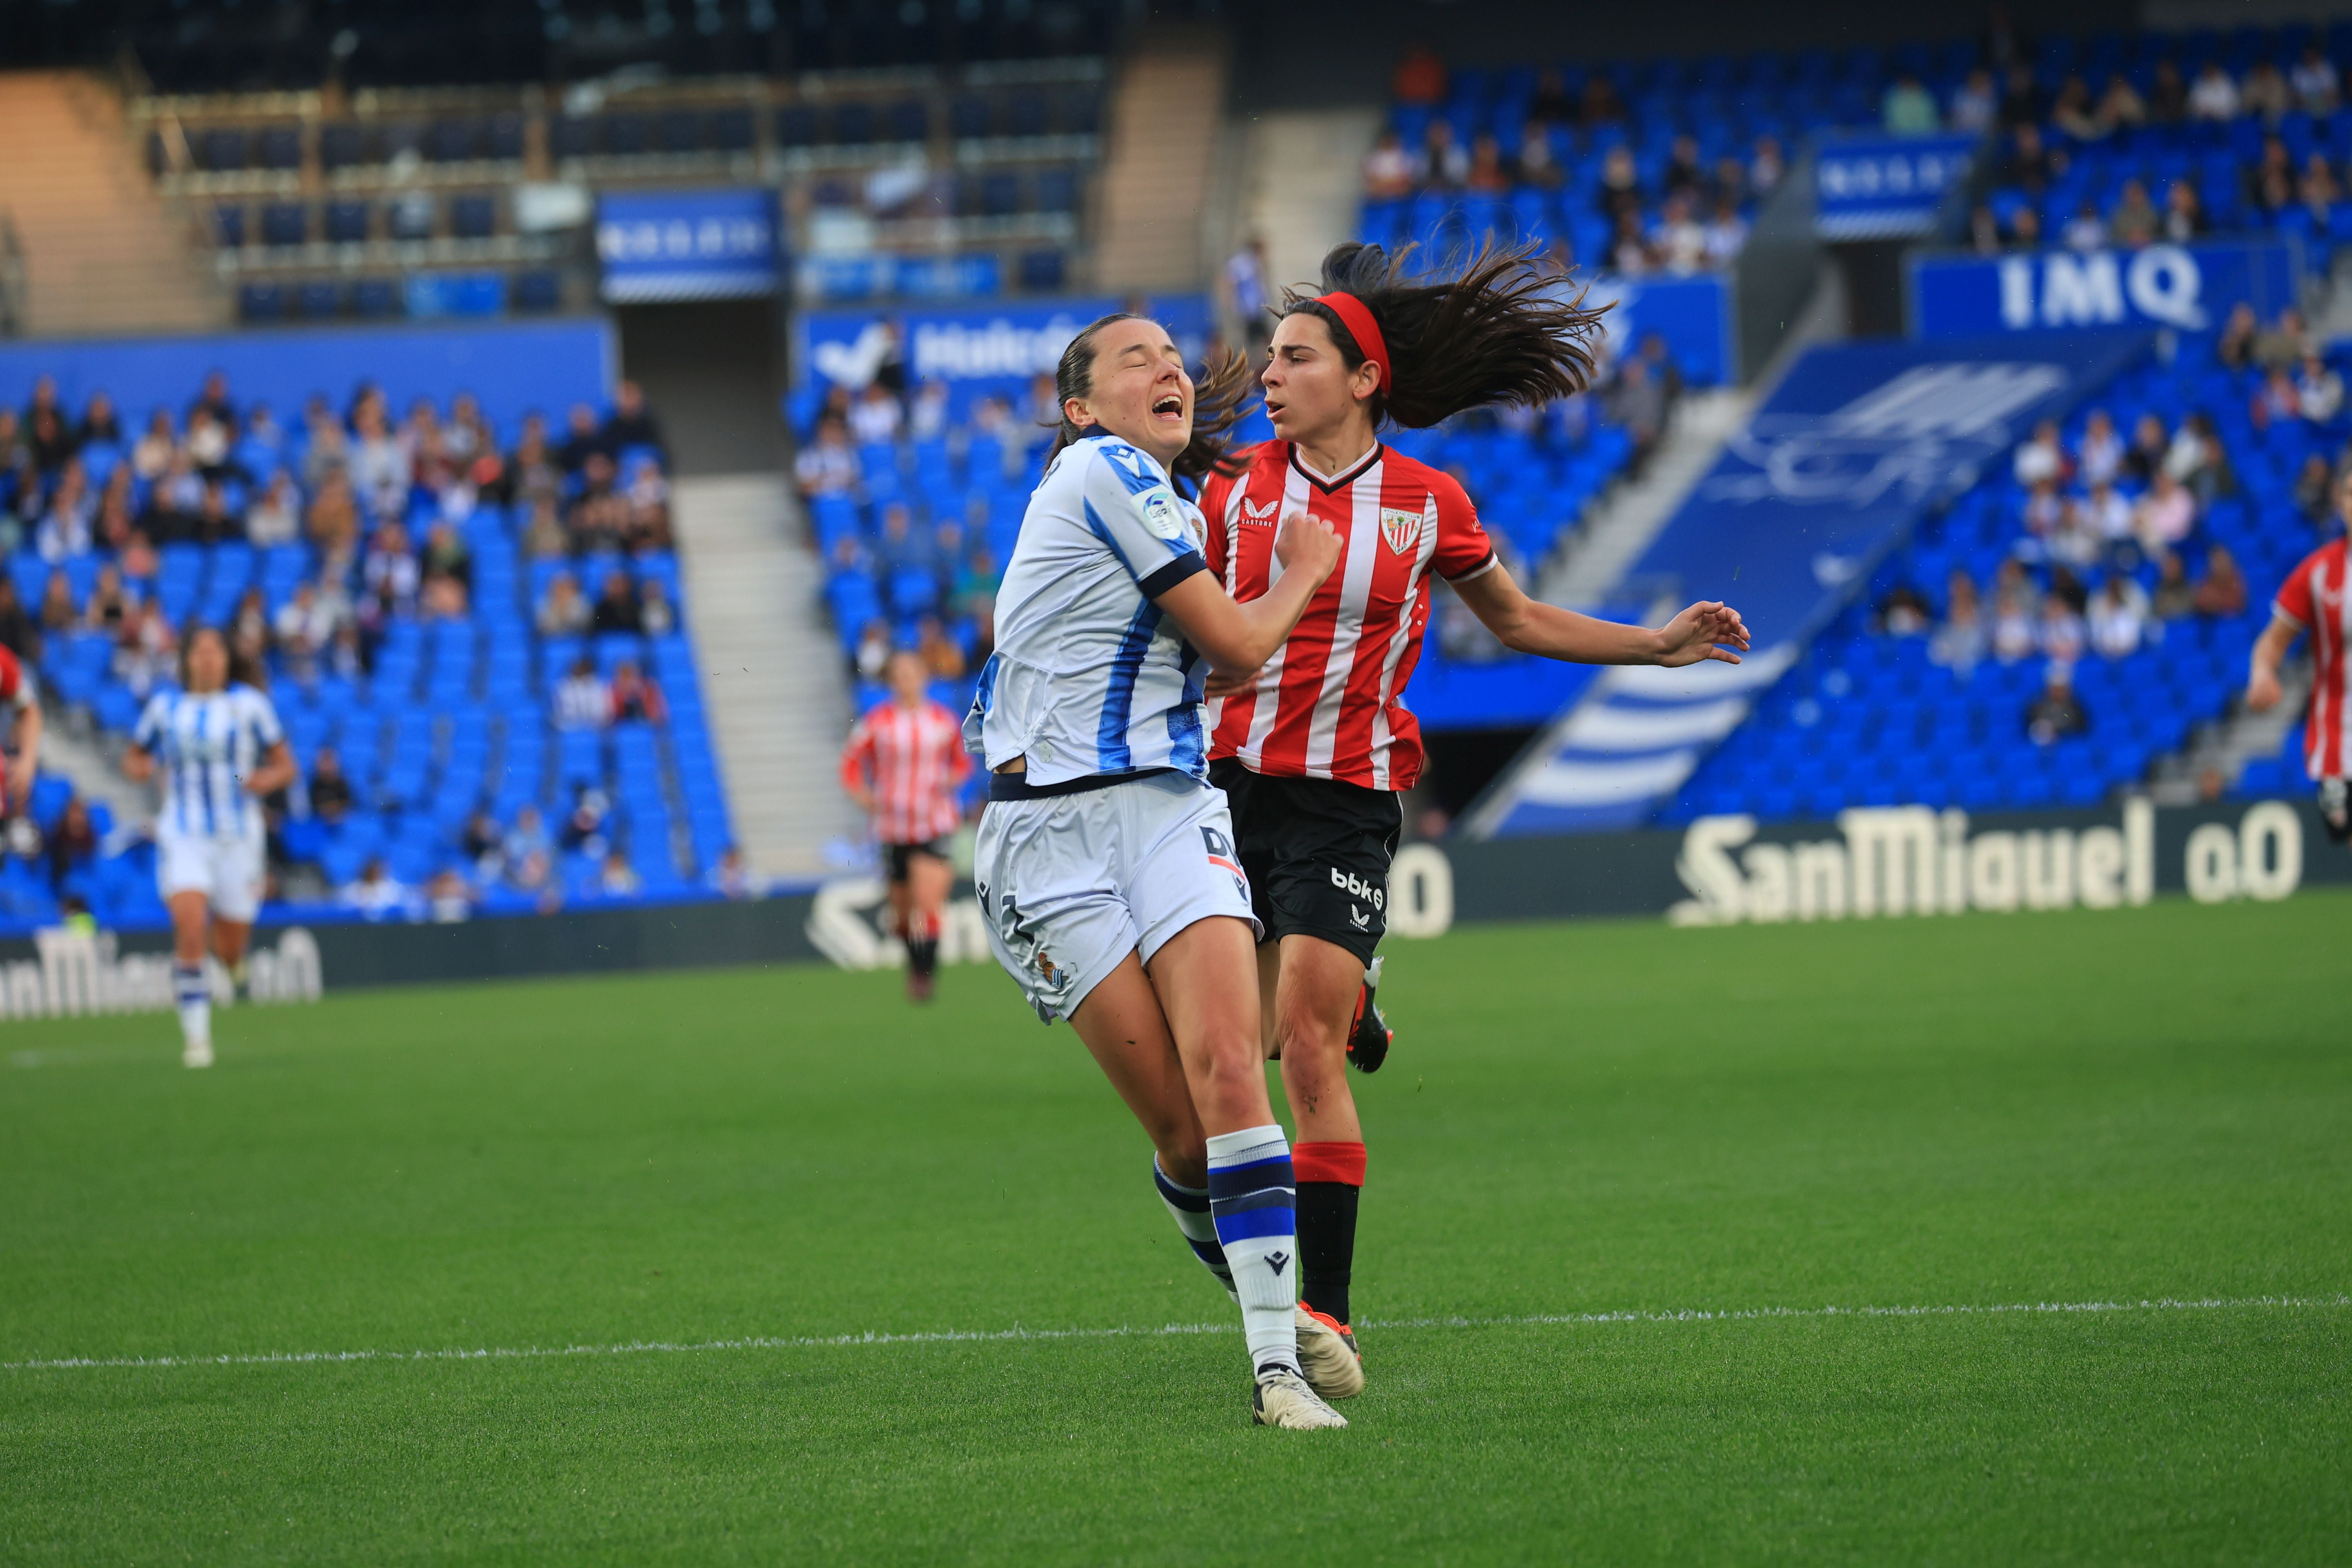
[1089, 677]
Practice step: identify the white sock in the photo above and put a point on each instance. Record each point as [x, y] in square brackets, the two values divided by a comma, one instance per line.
[1189, 1207]
[1254, 1200]
[195, 996]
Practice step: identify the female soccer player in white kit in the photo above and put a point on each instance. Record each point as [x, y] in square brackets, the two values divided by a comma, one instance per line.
[1105, 861]
[220, 749]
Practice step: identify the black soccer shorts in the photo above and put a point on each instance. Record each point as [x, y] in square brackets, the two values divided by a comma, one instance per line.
[897, 855]
[1316, 853]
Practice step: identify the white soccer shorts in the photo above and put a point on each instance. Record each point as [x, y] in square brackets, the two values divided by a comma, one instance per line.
[1072, 883]
[228, 871]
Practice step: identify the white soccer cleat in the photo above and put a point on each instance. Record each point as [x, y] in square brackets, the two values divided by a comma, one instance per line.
[1281, 1398]
[1327, 1355]
[197, 1054]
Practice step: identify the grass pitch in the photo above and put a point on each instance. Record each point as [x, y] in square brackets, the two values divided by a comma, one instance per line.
[1579, 1120]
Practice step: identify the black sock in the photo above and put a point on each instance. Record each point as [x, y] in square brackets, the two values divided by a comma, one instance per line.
[924, 954]
[1326, 1245]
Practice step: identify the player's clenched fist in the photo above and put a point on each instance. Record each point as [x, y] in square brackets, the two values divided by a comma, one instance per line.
[1306, 543]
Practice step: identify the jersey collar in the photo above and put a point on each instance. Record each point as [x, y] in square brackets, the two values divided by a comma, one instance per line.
[1355, 471]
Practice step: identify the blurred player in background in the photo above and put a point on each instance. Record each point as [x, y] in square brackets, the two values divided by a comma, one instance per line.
[1315, 748]
[222, 750]
[20, 701]
[902, 766]
[1105, 861]
[2315, 599]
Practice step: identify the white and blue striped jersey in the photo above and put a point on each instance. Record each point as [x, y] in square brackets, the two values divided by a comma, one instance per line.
[207, 744]
[1089, 677]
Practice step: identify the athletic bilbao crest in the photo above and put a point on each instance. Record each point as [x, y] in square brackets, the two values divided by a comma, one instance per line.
[1402, 529]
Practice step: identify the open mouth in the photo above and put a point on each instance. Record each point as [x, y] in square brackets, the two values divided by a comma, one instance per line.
[1168, 405]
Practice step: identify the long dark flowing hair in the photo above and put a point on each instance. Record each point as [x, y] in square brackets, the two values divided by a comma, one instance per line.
[1219, 399]
[1506, 331]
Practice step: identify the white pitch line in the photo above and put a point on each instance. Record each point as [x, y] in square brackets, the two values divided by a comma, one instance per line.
[982, 1336]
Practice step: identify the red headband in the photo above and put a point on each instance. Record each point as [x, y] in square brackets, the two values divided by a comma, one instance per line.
[1367, 331]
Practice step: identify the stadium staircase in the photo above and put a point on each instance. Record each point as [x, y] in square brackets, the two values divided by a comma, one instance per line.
[776, 687]
[103, 251]
[1158, 169]
[1299, 184]
[2228, 745]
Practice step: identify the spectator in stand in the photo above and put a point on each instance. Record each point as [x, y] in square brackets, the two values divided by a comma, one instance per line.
[2315, 488]
[2222, 593]
[1974, 105]
[374, 894]
[330, 788]
[333, 523]
[583, 825]
[2317, 188]
[2085, 230]
[531, 474]
[632, 424]
[304, 627]
[1680, 241]
[2057, 714]
[873, 654]
[448, 896]
[730, 876]
[1420, 77]
[2165, 514]
[1638, 402]
[389, 578]
[108, 604]
[2100, 459]
[2030, 166]
[526, 838]
[2267, 93]
[1909, 109]
[1620, 195]
[875, 418]
[657, 616]
[2285, 342]
[1984, 231]
[65, 531]
[70, 846]
[2174, 598]
[2107, 517]
[380, 466]
[446, 554]
[1391, 172]
[583, 438]
[2118, 618]
[1766, 167]
[1906, 613]
[277, 518]
[2214, 96]
[2135, 221]
[582, 701]
[617, 607]
[828, 465]
[152, 453]
[2275, 400]
[927, 415]
[1959, 643]
[2315, 81]
[2025, 229]
[1242, 290]
[1539, 160]
[2014, 633]
[1726, 236]
[617, 878]
[2319, 390]
[2184, 212]
[1445, 165]
[2121, 108]
[635, 698]
[2020, 98]
[2042, 457]
[99, 426]
[1630, 255]
[149, 649]
[52, 438]
[943, 660]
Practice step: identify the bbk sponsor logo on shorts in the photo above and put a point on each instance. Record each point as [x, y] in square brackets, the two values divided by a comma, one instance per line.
[1355, 887]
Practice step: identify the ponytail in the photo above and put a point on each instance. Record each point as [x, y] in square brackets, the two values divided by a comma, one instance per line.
[1506, 330]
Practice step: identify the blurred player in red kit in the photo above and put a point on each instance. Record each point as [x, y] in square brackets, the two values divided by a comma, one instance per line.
[902, 766]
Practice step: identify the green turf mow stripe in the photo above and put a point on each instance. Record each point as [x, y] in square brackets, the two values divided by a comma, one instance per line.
[981, 1336]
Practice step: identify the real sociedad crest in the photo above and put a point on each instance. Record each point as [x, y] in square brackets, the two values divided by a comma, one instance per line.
[1402, 529]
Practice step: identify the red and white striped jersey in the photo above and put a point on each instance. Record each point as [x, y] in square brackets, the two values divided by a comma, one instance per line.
[912, 759]
[2315, 598]
[16, 687]
[1330, 704]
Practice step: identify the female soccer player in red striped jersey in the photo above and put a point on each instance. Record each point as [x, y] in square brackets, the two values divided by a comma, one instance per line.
[901, 765]
[2317, 597]
[1313, 750]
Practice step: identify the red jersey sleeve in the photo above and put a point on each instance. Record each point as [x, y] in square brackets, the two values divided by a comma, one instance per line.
[2294, 599]
[857, 755]
[1463, 548]
[15, 689]
[956, 761]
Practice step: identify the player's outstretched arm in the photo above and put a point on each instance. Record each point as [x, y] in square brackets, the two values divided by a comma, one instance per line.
[2270, 652]
[276, 771]
[1706, 630]
[1238, 638]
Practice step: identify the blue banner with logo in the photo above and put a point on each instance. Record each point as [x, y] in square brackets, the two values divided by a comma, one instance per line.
[1886, 187]
[1692, 315]
[2191, 288]
[977, 351]
[1856, 445]
[688, 245]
